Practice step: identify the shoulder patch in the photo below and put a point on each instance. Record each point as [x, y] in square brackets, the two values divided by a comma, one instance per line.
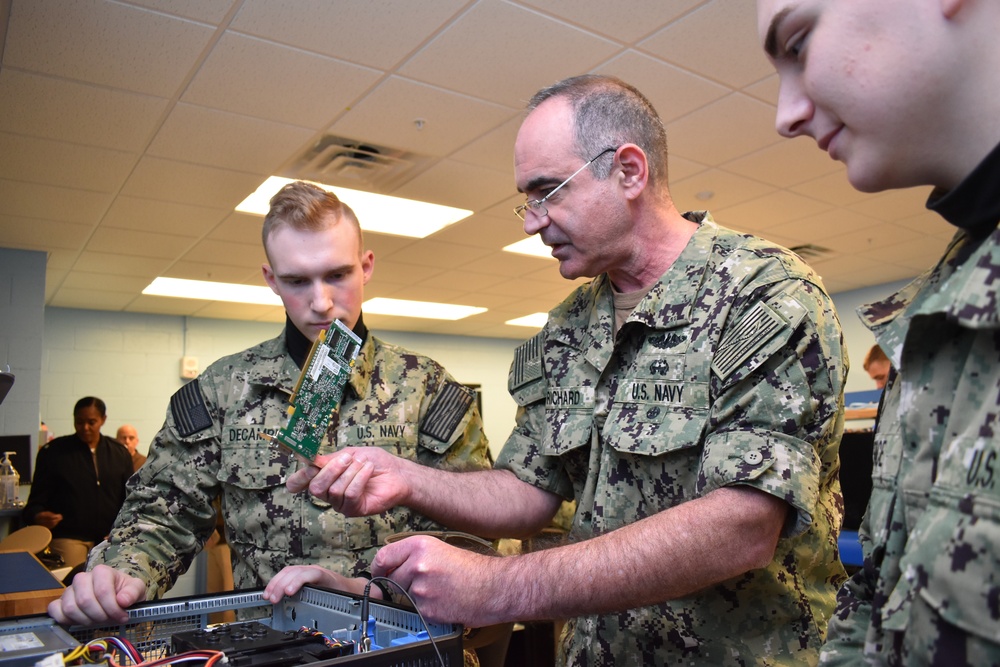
[446, 411]
[527, 365]
[753, 330]
[189, 410]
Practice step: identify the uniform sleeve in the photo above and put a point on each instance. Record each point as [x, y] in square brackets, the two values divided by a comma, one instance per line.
[451, 435]
[848, 628]
[776, 421]
[522, 453]
[168, 516]
[451, 428]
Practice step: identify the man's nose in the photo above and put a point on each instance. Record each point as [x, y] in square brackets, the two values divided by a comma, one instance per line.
[534, 223]
[321, 300]
[795, 109]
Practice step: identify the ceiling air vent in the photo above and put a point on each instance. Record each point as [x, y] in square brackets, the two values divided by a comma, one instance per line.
[809, 251]
[355, 164]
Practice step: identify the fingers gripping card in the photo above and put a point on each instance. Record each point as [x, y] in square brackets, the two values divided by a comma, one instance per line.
[319, 390]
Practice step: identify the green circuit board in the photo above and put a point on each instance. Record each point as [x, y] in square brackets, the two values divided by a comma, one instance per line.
[319, 390]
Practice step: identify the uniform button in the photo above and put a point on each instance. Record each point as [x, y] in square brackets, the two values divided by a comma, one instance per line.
[753, 458]
[652, 413]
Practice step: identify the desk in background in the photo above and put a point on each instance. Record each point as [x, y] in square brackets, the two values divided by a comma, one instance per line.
[26, 586]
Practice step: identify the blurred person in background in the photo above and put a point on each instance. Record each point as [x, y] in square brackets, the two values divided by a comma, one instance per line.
[79, 484]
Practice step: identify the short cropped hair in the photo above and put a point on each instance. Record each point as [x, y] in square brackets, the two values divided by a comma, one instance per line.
[608, 113]
[875, 354]
[305, 206]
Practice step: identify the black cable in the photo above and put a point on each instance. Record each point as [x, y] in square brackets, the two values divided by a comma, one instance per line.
[364, 616]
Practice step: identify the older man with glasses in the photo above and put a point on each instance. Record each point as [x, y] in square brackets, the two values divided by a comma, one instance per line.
[688, 398]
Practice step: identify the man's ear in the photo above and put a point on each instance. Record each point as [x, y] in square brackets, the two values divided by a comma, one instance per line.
[269, 277]
[634, 172]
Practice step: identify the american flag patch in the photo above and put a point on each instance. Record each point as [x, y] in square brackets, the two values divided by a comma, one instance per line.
[527, 362]
[750, 333]
[446, 411]
[189, 409]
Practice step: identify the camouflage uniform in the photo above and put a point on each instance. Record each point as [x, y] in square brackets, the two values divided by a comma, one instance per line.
[213, 444]
[729, 372]
[929, 591]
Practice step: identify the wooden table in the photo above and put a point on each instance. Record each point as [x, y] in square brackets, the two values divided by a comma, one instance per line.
[26, 586]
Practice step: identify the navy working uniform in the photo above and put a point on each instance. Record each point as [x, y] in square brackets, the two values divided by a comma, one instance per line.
[214, 444]
[929, 591]
[730, 371]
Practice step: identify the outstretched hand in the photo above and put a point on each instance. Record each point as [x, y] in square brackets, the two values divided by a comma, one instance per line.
[357, 481]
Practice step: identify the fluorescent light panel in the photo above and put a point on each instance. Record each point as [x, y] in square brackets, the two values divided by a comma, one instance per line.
[425, 309]
[376, 213]
[531, 246]
[210, 291]
[535, 320]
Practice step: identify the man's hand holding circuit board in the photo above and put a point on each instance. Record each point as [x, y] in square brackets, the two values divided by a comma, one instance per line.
[319, 390]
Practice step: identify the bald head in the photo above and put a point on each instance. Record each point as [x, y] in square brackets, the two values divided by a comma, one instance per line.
[128, 436]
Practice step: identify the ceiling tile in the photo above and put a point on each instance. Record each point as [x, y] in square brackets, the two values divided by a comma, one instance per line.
[718, 39]
[607, 18]
[92, 261]
[214, 272]
[39, 106]
[399, 272]
[894, 203]
[238, 227]
[785, 163]
[227, 140]
[494, 149]
[207, 11]
[65, 164]
[483, 231]
[227, 253]
[534, 50]
[833, 189]
[726, 189]
[724, 130]
[432, 253]
[461, 185]
[39, 234]
[139, 244]
[673, 91]
[32, 200]
[168, 180]
[239, 67]
[377, 33]
[818, 228]
[450, 121]
[107, 43]
[82, 280]
[764, 213]
[160, 216]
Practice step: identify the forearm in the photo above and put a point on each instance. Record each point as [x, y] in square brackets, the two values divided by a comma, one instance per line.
[669, 555]
[489, 503]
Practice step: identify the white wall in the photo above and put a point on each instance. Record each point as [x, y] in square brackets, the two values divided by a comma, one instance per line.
[859, 339]
[132, 362]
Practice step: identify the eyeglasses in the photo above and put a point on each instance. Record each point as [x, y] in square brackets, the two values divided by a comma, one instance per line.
[537, 206]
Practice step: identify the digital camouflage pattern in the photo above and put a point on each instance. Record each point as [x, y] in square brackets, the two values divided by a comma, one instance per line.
[168, 514]
[729, 372]
[929, 591]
